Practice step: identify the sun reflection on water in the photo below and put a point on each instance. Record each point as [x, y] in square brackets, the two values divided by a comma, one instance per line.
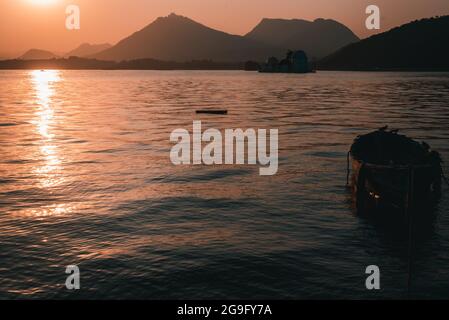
[44, 85]
[43, 82]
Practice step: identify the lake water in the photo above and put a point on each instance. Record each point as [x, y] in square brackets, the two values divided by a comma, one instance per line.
[86, 179]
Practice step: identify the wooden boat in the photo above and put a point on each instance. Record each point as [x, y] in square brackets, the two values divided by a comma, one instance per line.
[393, 171]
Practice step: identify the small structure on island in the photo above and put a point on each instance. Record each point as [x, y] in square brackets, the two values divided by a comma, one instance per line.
[300, 62]
[294, 62]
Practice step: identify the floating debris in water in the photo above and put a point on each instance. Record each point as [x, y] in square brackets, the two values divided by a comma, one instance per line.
[212, 111]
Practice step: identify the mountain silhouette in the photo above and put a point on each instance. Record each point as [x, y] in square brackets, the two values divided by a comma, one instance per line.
[87, 49]
[177, 38]
[422, 44]
[318, 38]
[37, 54]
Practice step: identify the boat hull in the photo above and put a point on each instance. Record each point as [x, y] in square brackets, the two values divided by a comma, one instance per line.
[396, 187]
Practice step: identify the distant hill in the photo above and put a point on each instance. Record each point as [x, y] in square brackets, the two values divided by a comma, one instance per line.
[37, 54]
[318, 38]
[4, 55]
[86, 49]
[178, 38]
[418, 45]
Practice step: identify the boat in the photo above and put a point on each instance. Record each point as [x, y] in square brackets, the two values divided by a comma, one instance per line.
[393, 171]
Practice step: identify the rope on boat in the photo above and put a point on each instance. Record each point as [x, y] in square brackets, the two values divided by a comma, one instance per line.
[347, 168]
[410, 212]
[444, 177]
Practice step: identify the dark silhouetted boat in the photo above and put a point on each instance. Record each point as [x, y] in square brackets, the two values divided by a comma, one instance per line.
[393, 171]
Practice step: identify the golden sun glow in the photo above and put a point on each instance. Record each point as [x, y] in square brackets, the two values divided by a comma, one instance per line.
[42, 2]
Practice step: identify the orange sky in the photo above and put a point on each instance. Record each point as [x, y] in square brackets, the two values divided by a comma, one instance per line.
[25, 24]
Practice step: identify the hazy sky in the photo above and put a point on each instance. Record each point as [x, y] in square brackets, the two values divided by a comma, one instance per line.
[26, 24]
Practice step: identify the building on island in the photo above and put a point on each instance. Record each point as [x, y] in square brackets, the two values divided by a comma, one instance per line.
[294, 62]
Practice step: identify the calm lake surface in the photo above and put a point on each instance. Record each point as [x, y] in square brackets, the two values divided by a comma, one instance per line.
[86, 179]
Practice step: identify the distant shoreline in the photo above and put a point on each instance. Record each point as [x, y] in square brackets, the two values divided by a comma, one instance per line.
[385, 69]
[75, 63]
